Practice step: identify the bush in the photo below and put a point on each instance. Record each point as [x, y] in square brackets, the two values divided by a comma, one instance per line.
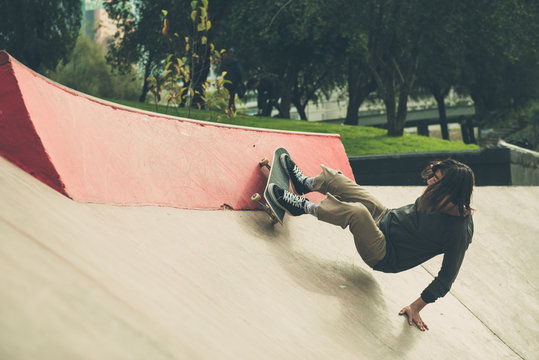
[528, 135]
[87, 71]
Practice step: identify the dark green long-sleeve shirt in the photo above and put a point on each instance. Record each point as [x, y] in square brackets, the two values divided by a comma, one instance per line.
[413, 237]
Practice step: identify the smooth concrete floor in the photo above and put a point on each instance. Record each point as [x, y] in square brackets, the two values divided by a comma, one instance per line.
[94, 281]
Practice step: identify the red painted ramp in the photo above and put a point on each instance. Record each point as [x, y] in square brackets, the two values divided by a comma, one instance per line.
[95, 151]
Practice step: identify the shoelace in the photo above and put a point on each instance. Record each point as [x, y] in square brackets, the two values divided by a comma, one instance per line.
[299, 175]
[293, 199]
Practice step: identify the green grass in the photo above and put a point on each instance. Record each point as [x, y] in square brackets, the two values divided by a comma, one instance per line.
[357, 140]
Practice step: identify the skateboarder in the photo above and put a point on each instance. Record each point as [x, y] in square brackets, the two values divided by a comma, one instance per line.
[235, 75]
[394, 240]
[269, 89]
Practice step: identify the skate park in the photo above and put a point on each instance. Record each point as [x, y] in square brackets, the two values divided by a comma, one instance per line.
[127, 234]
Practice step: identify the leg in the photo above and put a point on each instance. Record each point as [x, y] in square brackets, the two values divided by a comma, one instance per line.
[369, 240]
[267, 109]
[232, 100]
[275, 104]
[334, 182]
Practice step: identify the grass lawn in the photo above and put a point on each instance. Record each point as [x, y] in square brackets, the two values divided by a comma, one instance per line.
[357, 140]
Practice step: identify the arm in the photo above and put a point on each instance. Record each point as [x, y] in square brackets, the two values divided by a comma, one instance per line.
[412, 311]
[438, 287]
[448, 273]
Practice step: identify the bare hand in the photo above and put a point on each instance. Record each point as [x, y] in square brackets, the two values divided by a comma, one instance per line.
[413, 317]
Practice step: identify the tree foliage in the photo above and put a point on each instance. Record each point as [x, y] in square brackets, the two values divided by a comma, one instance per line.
[39, 33]
[291, 39]
[392, 50]
[87, 71]
[487, 48]
[440, 56]
[187, 67]
[138, 39]
[501, 60]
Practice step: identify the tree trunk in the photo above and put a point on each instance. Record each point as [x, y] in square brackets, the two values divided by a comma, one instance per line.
[358, 90]
[200, 78]
[147, 70]
[296, 100]
[442, 113]
[354, 100]
[464, 131]
[387, 87]
[301, 110]
[290, 80]
[402, 111]
[391, 109]
[467, 131]
[406, 84]
[423, 128]
[285, 103]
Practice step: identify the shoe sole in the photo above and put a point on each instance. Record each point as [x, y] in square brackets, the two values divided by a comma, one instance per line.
[272, 197]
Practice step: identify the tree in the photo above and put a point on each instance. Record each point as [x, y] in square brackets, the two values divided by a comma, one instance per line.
[392, 51]
[39, 33]
[360, 84]
[320, 67]
[314, 80]
[350, 19]
[138, 38]
[440, 58]
[188, 64]
[501, 62]
[87, 71]
[291, 39]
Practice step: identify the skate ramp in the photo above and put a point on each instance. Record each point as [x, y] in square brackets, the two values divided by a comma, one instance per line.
[96, 151]
[103, 256]
[99, 281]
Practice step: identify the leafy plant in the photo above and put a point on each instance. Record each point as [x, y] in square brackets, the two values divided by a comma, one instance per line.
[155, 88]
[216, 99]
[183, 76]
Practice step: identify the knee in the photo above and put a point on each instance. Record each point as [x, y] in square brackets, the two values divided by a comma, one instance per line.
[327, 181]
[359, 211]
[355, 216]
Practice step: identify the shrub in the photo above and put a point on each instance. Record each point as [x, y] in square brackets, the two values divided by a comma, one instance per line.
[87, 71]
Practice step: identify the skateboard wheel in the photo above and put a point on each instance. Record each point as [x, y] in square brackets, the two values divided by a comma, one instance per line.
[255, 197]
[264, 162]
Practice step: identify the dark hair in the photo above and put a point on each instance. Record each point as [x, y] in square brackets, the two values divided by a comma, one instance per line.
[455, 187]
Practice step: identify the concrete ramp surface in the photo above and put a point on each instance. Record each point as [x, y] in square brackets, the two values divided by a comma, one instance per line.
[102, 263]
[97, 281]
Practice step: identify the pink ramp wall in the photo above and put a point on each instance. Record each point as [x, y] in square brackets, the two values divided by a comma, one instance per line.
[95, 151]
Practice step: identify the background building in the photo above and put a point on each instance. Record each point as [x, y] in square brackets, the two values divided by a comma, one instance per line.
[96, 23]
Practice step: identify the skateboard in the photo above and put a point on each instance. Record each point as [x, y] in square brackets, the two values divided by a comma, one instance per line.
[279, 176]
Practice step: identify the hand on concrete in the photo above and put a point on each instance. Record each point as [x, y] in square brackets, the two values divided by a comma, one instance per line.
[412, 312]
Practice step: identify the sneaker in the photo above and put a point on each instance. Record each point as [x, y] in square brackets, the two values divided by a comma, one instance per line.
[292, 203]
[295, 174]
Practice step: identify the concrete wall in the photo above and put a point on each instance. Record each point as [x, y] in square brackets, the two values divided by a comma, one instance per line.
[491, 166]
[524, 165]
[503, 165]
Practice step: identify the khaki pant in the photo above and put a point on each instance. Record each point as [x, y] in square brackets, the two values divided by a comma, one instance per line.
[348, 204]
